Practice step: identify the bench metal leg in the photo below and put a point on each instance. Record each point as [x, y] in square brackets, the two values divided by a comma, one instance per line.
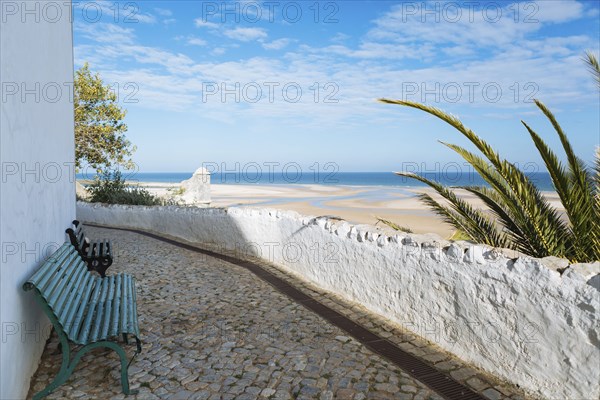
[67, 367]
[63, 373]
[122, 356]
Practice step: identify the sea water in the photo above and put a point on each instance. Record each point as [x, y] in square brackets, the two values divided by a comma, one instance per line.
[389, 179]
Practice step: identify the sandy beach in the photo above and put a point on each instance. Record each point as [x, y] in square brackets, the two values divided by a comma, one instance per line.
[355, 204]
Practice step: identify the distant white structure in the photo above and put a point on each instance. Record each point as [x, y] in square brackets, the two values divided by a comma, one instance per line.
[37, 188]
[196, 190]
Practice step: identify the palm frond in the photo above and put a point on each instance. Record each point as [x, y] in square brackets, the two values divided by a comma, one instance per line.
[461, 215]
[453, 218]
[393, 225]
[576, 194]
[593, 65]
[597, 172]
[577, 168]
[549, 231]
[518, 226]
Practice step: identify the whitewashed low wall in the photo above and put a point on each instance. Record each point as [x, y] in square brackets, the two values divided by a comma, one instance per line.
[515, 318]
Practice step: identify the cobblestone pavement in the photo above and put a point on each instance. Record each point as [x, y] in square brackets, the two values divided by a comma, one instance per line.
[213, 330]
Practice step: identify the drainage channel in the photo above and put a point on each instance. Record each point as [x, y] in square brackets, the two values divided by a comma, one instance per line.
[440, 382]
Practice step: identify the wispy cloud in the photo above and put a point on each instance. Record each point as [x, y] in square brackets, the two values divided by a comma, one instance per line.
[196, 41]
[245, 34]
[556, 11]
[201, 23]
[144, 18]
[339, 37]
[105, 32]
[388, 60]
[277, 44]
[163, 12]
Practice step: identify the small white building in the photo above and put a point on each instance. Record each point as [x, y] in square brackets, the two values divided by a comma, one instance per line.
[196, 190]
[37, 183]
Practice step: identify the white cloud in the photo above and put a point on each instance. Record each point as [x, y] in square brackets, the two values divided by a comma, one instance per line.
[200, 23]
[104, 32]
[466, 26]
[163, 12]
[339, 37]
[592, 12]
[195, 41]
[381, 51]
[460, 30]
[555, 10]
[245, 34]
[277, 44]
[143, 18]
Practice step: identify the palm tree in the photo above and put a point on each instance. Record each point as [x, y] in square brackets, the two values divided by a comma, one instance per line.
[524, 219]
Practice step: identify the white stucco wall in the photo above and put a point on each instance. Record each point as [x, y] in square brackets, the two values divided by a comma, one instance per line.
[37, 191]
[513, 317]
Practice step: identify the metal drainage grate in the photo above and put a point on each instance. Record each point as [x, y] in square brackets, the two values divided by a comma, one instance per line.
[440, 382]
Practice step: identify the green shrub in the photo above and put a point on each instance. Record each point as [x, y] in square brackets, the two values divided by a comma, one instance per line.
[111, 188]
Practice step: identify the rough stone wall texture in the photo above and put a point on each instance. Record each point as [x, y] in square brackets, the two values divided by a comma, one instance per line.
[517, 318]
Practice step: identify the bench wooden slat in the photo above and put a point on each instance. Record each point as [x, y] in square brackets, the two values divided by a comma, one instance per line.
[77, 324]
[106, 322]
[131, 310]
[73, 285]
[58, 291]
[136, 327]
[116, 305]
[90, 310]
[46, 272]
[125, 301]
[95, 333]
[74, 304]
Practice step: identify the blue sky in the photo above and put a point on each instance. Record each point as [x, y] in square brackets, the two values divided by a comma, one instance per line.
[297, 81]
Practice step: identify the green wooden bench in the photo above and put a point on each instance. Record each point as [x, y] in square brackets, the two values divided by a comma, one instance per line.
[85, 310]
[98, 254]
